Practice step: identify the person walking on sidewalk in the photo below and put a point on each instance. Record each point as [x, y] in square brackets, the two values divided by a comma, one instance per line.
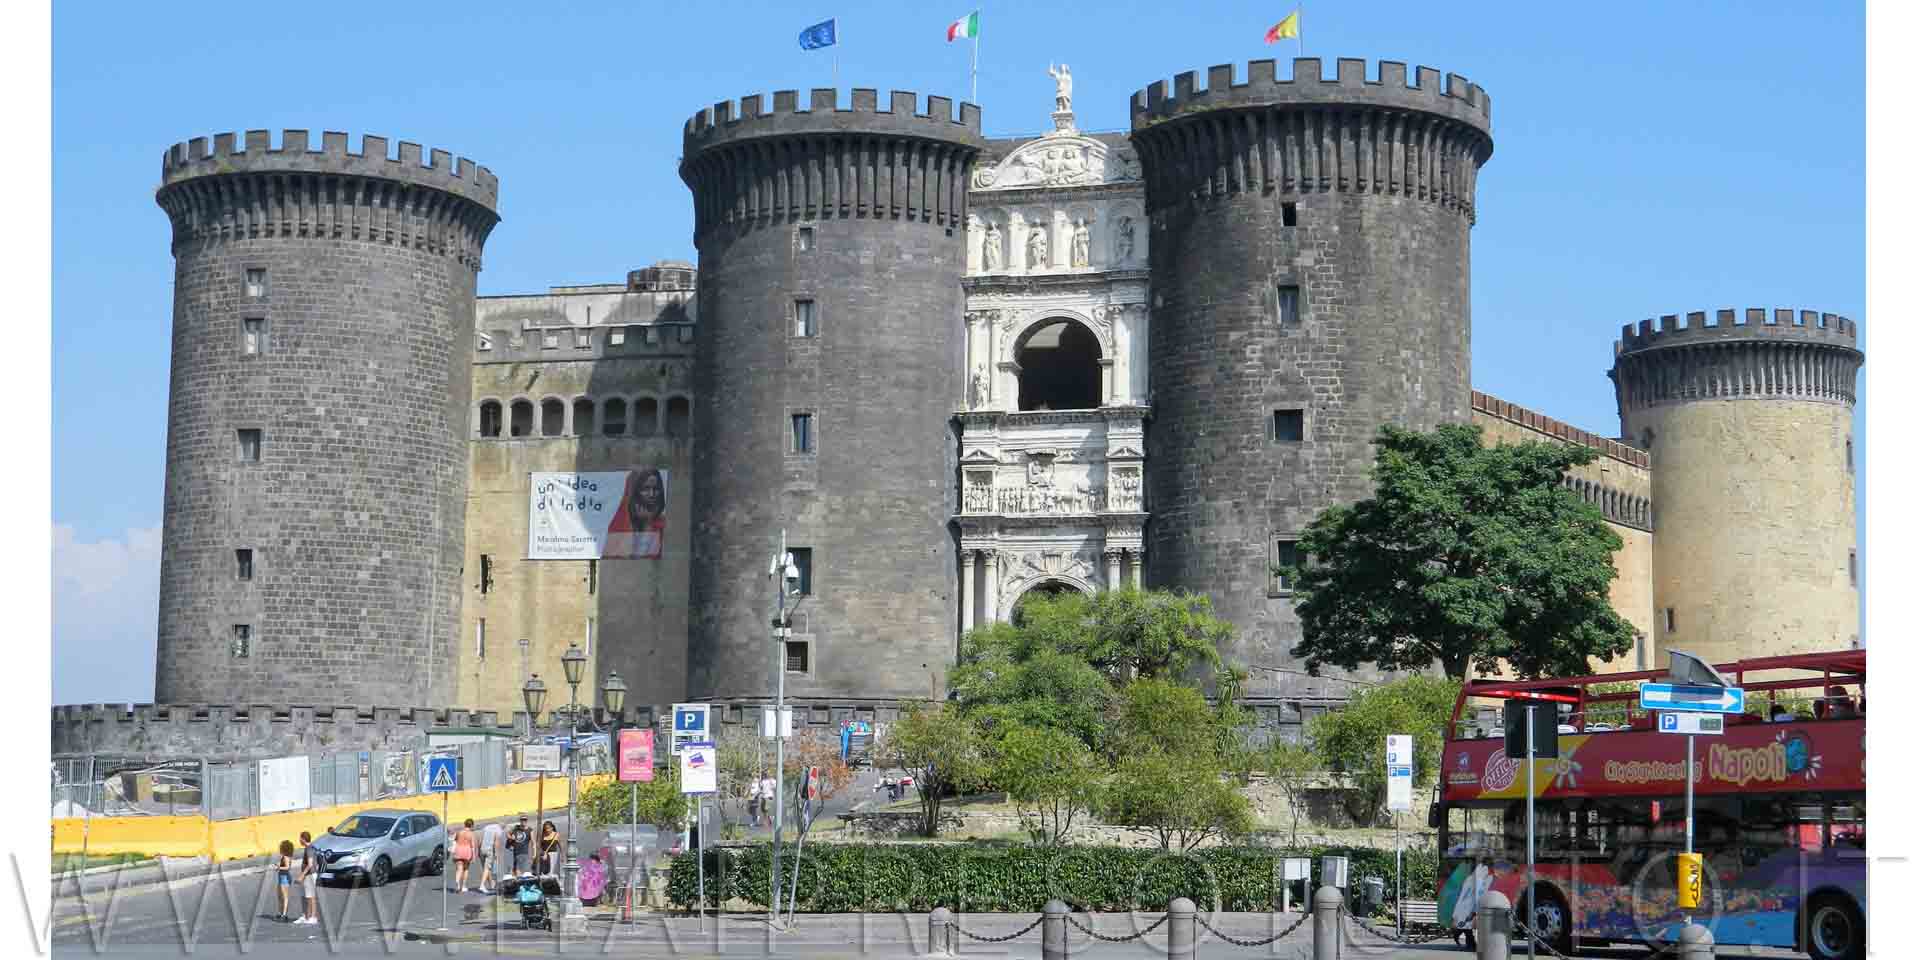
[489, 856]
[283, 870]
[463, 842]
[311, 862]
[549, 849]
[519, 840]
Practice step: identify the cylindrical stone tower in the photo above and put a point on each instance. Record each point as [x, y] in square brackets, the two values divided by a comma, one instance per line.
[317, 423]
[829, 362]
[1749, 420]
[1310, 283]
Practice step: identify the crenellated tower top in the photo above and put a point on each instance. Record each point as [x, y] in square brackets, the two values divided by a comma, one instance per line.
[1782, 353]
[257, 154]
[720, 124]
[1456, 98]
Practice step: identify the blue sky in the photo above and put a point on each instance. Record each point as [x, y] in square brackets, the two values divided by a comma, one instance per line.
[1649, 158]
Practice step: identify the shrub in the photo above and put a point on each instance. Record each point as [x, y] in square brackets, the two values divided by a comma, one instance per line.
[850, 878]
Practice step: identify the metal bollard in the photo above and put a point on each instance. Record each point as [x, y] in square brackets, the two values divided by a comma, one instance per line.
[1180, 915]
[1053, 931]
[1696, 943]
[940, 932]
[1327, 903]
[1492, 922]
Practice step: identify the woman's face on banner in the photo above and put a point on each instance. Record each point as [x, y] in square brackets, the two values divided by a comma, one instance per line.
[650, 494]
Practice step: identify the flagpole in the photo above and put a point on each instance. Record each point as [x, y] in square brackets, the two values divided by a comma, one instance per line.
[975, 72]
[1299, 36]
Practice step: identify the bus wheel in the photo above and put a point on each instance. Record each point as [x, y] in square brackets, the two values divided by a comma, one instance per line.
[1549, 919]
[1834, 930]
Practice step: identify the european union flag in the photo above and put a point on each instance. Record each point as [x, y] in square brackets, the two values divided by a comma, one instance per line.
[817, 36]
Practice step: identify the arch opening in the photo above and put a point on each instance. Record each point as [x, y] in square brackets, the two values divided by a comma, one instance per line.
[522, 424]
[490, 418]
[583, 417]
[553, 417]
[1059, 367]
[1045, 588]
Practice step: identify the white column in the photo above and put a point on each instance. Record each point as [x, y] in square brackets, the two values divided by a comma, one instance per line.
[1139, 560]
[1113, 569]
[966, 590]
[991, 588]
[1108, 391]
[1140, 345]
[993, 362]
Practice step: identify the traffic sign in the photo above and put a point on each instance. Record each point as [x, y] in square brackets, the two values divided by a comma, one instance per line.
[1705, 723]
[1399, 750]
[690, 724]
[443, 775]
[1399, 788]
[1673, 696]
[540, 758]
[699, 768]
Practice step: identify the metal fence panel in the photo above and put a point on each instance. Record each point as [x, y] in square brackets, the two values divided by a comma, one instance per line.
[231, 789]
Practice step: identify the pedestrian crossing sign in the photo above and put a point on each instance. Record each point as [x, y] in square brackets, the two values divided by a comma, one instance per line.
[441, 775]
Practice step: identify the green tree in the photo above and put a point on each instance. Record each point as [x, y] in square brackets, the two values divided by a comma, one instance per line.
[1008, 676]
[1166, 717]
[1353, 740]
[660, 801]
[1180, 801]
[1468, 555]
[1292, 767]
[943, 751]
[1049, 775]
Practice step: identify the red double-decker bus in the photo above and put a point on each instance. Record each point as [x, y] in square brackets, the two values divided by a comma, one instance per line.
[1779, 811]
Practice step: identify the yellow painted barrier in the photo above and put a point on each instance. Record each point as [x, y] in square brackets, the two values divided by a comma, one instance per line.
[259, 836]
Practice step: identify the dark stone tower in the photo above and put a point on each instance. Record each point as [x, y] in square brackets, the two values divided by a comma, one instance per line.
[1310, 279]
[322, 342]
[856, 218]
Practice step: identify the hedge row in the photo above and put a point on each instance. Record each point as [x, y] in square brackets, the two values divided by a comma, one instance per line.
[852, 878]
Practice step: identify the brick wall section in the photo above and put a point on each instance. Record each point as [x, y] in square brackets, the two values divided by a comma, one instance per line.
[356, 508]
[1380, 254]
[884, 193]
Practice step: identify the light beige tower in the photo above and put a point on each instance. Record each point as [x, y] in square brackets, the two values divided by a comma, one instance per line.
[1749, 421]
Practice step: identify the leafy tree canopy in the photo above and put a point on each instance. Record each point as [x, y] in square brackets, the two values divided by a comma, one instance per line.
[1353, 741]
[942, 749]
[1467, 555]
[660, 801]
[1050, 775]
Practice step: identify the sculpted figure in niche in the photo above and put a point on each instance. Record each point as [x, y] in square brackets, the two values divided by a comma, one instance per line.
[990, 248]
[1080, 244]
[979, 387]
[1123, 240]
[1062, 88]
[1037, 250]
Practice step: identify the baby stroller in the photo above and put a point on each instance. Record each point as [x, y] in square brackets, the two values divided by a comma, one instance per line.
[532, 894]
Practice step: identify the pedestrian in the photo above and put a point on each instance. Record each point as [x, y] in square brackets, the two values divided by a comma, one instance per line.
[283, 868]
[769, 796]
[753, 801]
[519, 844]
[490, 857]
[463, 843]
[549, 849]
[312, 861]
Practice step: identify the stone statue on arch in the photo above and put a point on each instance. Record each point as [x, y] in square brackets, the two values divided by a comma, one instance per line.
[1062, 88]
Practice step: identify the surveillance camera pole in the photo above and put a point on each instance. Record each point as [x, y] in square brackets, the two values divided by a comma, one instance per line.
[782, 571]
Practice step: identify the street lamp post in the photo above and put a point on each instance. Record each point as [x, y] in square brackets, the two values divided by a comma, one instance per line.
[535, 695]
[574, 662]
[786, 578]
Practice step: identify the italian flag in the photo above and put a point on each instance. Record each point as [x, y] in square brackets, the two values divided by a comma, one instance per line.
[964, 28]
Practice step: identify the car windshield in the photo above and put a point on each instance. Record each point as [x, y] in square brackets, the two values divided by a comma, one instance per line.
[364, 827]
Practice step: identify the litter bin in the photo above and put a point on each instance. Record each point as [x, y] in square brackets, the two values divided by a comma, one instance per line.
[1373, 893]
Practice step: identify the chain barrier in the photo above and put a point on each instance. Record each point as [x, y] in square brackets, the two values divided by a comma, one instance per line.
[1023, 931]
[1437, 931]
[1089, 931]
[1202, 920]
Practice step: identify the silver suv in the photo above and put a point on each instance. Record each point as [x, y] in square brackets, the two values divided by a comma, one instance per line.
[374, 843]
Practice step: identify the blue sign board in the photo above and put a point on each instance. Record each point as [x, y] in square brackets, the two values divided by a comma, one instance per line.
[443, 776]
[1673, 696]
[690, 721]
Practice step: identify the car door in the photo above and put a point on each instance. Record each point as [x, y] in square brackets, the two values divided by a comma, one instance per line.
[427, 835]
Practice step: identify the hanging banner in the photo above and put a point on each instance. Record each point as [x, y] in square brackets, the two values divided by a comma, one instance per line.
[605, 515]
[636, 756]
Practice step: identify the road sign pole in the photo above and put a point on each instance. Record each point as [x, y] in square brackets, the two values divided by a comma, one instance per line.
[1688, 917]
[443, 867]
[1532, 914]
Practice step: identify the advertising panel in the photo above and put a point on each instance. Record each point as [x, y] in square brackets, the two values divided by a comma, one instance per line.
[636, 756]
[285, 784]
[604, 515]
[699, 768]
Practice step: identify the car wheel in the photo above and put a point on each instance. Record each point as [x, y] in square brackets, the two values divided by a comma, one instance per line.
[378, 873]
[1834, 929]
[1552, 922]
[437, 862]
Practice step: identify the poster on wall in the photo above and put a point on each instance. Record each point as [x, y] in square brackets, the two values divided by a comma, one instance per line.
[605, 515]
[285, 784]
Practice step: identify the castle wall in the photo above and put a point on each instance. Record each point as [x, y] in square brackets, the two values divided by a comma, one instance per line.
[1379, 178]
[353, 509]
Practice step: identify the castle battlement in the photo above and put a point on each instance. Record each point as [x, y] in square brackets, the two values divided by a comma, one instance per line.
[720, 124]
[1532, 420]
[1456, 98]
[571, 342]
[257, 154]
[1725, 325]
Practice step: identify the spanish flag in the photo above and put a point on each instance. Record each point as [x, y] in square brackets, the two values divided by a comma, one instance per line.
[1290, 27]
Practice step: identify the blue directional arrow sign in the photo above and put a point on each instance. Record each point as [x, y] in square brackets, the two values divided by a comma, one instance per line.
[1673, 696]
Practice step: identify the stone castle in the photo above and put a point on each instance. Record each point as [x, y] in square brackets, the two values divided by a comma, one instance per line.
[954, 370]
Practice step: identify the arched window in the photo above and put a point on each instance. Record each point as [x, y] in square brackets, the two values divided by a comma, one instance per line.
[490, 418]
[583, 417]
[553, 417]
[522, 418]
[679, 416]
[646, 417]
[1059, 367]
[615, 423]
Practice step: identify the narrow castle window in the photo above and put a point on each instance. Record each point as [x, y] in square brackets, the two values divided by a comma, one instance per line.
[253, 336]
[490, 418]
[803, 561]
[1853, 568]
[583, 417]
[1286, 554]
[1289, 426]
[1669, 619]
[256, 283]
[679, 416]
[593, 577]
[242, 640]
[522, 418]
[1289, 214]
[797, 659]
[616, 423]
[804, 239]
[802, 433]
[480, 639]
[616, 336]
[1849, 454]
[803, 318]
[486, 573]
[646, 417]
[588, 648]
[243, 564]
[553, 417]
[249, 446]
[1286, 301]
